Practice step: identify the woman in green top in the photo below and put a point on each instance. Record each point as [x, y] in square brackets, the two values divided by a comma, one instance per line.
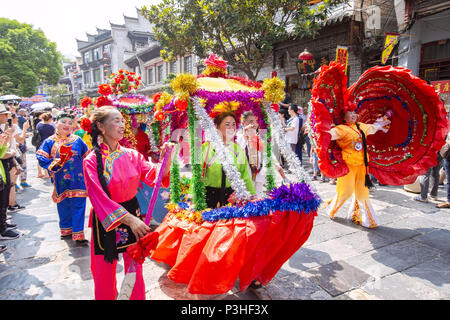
[217, 185]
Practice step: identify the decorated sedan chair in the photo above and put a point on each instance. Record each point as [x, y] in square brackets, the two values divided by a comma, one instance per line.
[209, 249]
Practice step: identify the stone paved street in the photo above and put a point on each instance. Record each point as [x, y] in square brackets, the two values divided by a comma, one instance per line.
[407, 257]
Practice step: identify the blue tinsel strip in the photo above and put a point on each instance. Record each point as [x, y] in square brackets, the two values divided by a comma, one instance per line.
[295, 197]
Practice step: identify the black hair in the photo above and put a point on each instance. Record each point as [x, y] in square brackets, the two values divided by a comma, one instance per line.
[294, 108]
[95, 133]
[368, 182]
[218, 120]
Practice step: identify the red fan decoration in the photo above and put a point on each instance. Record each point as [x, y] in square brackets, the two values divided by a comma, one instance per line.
[418, 121]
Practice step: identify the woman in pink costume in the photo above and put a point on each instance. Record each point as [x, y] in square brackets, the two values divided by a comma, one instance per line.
[112, 185]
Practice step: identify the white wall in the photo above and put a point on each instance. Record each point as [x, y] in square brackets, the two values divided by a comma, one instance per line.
[428, 29]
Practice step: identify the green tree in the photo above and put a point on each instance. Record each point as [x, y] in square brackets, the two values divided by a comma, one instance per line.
[59, 95]
[241, 31]
[27, 58]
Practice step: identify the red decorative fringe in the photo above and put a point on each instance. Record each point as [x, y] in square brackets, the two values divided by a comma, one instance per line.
[141, 250]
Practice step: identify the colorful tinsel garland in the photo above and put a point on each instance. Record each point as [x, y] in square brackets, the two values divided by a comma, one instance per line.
[294, 198]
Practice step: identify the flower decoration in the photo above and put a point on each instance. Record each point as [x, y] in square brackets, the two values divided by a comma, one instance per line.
[226, 106]
[86, 124]
[124, 81]
[102, 101]
[215, 67]
[159, 116]
[180, 105]
[274, 90]
[275, 107]
[86, 102]
[184, 85]
[163, 100]
[104, 89]
[156, 97]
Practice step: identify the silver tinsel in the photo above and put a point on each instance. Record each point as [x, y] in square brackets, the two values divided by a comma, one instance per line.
[291, 158]
[223, 154]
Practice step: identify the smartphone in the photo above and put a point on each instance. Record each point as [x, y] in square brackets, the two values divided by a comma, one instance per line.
[10, 122]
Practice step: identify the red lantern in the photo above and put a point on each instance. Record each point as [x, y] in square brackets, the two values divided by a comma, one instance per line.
[305, 56]
[273, 74]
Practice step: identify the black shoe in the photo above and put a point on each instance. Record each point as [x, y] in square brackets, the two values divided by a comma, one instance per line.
[11, 209]
[11, 226]
[9, 235]
[66, 237]
[82, 243]
[18, 207]
[255, 285]
[2, 248]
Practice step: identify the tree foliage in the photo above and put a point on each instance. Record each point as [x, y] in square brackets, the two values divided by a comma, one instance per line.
[241, 31]
[27, 58]
[58, 95]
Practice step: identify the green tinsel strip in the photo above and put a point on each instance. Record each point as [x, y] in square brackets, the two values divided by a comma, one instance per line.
[175, 181]
[155, 130]
[270, 175]
[199, 193]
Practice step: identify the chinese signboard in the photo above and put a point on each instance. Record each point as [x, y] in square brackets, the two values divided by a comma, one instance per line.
[342, 56]
[442, 87]
[389, 44]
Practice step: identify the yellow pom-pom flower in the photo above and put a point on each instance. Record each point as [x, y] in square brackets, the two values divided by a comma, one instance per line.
[165, 99]
[274, 89]
[184, 85]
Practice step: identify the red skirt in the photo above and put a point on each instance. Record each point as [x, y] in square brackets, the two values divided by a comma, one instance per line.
[210, 257]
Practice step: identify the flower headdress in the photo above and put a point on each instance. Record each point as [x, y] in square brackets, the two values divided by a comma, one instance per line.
[226, 106]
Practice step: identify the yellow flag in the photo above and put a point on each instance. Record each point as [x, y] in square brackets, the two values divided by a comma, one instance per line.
[389, 44]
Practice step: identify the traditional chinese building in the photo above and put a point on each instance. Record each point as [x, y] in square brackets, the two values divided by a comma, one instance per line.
[357, 25]
[424, 45]
[155, 71]
[105, 52]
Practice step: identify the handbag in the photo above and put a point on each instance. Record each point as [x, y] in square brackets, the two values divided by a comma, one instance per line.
[37, 139]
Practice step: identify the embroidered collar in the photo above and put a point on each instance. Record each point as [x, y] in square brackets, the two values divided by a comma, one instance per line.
[106, 150]
[59, 137]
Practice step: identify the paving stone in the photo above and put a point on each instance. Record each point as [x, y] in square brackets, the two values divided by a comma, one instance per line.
[434, 273]
[339, 277]
[438, 238]
[364, 241]
[401, 287]
[356, 294]
[327, 231]
[295, 286]
[393, 258]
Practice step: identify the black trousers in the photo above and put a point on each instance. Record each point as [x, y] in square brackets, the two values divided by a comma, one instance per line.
[4, 195]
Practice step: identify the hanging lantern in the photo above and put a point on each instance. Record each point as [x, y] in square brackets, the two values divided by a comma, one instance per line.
[305, 56]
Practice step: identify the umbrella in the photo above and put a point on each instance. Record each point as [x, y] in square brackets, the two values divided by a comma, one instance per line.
[9, 97]
[41, 106]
